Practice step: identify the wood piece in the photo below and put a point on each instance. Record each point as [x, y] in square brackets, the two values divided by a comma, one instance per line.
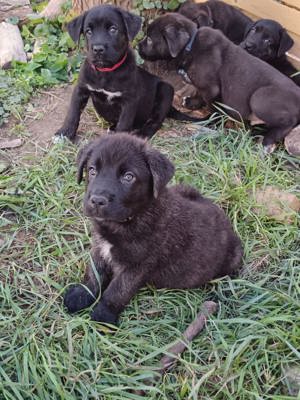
[11, 44]
[10, 144]
[79, 6]
[14, 8]
[53, 9]
[193, 330]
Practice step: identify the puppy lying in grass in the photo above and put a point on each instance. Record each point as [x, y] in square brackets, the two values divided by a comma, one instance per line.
[224, 72]
[143, 232]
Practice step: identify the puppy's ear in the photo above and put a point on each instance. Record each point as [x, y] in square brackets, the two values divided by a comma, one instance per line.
[82, 158]
[286, 42]
[176, 39]
[75, 27]
[161, 170]
[248, 28]
[132, 22]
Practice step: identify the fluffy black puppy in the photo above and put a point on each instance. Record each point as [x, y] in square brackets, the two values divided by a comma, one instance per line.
[224, 72]
[126, 96]
[218, 15]
[143, 232]
[269, 41]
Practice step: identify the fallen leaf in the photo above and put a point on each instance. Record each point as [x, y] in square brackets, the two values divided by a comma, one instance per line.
[10, 144]
[292, 142]
[276, 203]
[292, 379]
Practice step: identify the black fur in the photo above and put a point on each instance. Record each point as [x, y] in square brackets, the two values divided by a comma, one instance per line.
[269, 41]
[224, 72]
[218, 15]
[129, 98]
[143, 232]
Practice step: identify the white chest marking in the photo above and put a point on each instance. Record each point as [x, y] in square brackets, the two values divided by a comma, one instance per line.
[110, 95]
[103, 247]
[105, 250]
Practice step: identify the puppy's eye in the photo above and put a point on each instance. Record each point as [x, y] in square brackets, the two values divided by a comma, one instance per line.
[92, 171]
[128, 177]
[113, 29]
[267, 41]
[88, 32]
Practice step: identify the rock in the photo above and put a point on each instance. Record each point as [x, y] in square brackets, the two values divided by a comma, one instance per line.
[14, 8]
[10, 144]
[11, 44]
[292, 142]
[277, 204]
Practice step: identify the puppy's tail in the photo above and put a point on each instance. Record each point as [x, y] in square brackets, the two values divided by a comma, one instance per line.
[179, 116]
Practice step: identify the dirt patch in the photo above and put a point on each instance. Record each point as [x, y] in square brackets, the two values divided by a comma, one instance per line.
[43, 116]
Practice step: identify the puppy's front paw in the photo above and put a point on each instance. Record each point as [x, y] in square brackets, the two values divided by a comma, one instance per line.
[192, 103]
[102, 313]
[269, 149]
[77, 298]
[64, 133]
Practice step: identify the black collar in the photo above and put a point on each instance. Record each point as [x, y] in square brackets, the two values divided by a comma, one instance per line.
[189, 46]
[181, 71]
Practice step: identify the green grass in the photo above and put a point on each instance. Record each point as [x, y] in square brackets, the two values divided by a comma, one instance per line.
[246, 349]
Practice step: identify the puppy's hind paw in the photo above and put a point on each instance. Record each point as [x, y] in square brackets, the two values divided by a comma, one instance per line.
[77, 298]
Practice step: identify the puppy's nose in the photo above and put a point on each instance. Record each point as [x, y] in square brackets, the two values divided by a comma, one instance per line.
[99, 201]
[249, 46]
[98, 48]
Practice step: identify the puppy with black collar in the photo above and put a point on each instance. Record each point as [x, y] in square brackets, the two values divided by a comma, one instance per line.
[224, 72]
[125, 95]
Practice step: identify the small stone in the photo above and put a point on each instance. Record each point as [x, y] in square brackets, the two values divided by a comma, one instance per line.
[292, 142]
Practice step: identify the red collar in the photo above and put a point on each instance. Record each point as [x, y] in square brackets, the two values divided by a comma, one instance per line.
[113, 68]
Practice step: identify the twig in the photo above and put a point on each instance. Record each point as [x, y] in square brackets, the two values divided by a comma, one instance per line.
[193, 330]
[208, 308]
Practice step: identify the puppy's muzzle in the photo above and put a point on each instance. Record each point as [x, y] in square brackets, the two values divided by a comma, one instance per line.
[98, 49]
[97, 201]
[250, 47]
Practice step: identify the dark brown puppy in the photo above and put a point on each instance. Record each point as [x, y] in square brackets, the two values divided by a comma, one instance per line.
[224, 72]
[143, 232]
[218, 15]
[125, 95]
[269, 41]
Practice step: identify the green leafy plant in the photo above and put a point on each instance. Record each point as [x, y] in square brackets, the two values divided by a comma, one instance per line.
[49, 66]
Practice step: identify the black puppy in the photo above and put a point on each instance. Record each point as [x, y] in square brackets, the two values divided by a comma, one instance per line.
[269, 41]
[224, 72]
[143, 232]
[126, 96]
[218, 15]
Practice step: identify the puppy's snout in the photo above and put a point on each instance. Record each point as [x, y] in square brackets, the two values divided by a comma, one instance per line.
[249, 46]
[98, 48]
[98, 201]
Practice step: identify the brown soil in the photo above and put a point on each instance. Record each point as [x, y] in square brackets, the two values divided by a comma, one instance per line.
[44, 115]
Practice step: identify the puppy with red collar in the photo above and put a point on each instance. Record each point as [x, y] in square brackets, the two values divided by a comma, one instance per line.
[129, 98]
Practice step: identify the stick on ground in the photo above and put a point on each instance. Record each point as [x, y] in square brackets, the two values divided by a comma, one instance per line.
[208, 308]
